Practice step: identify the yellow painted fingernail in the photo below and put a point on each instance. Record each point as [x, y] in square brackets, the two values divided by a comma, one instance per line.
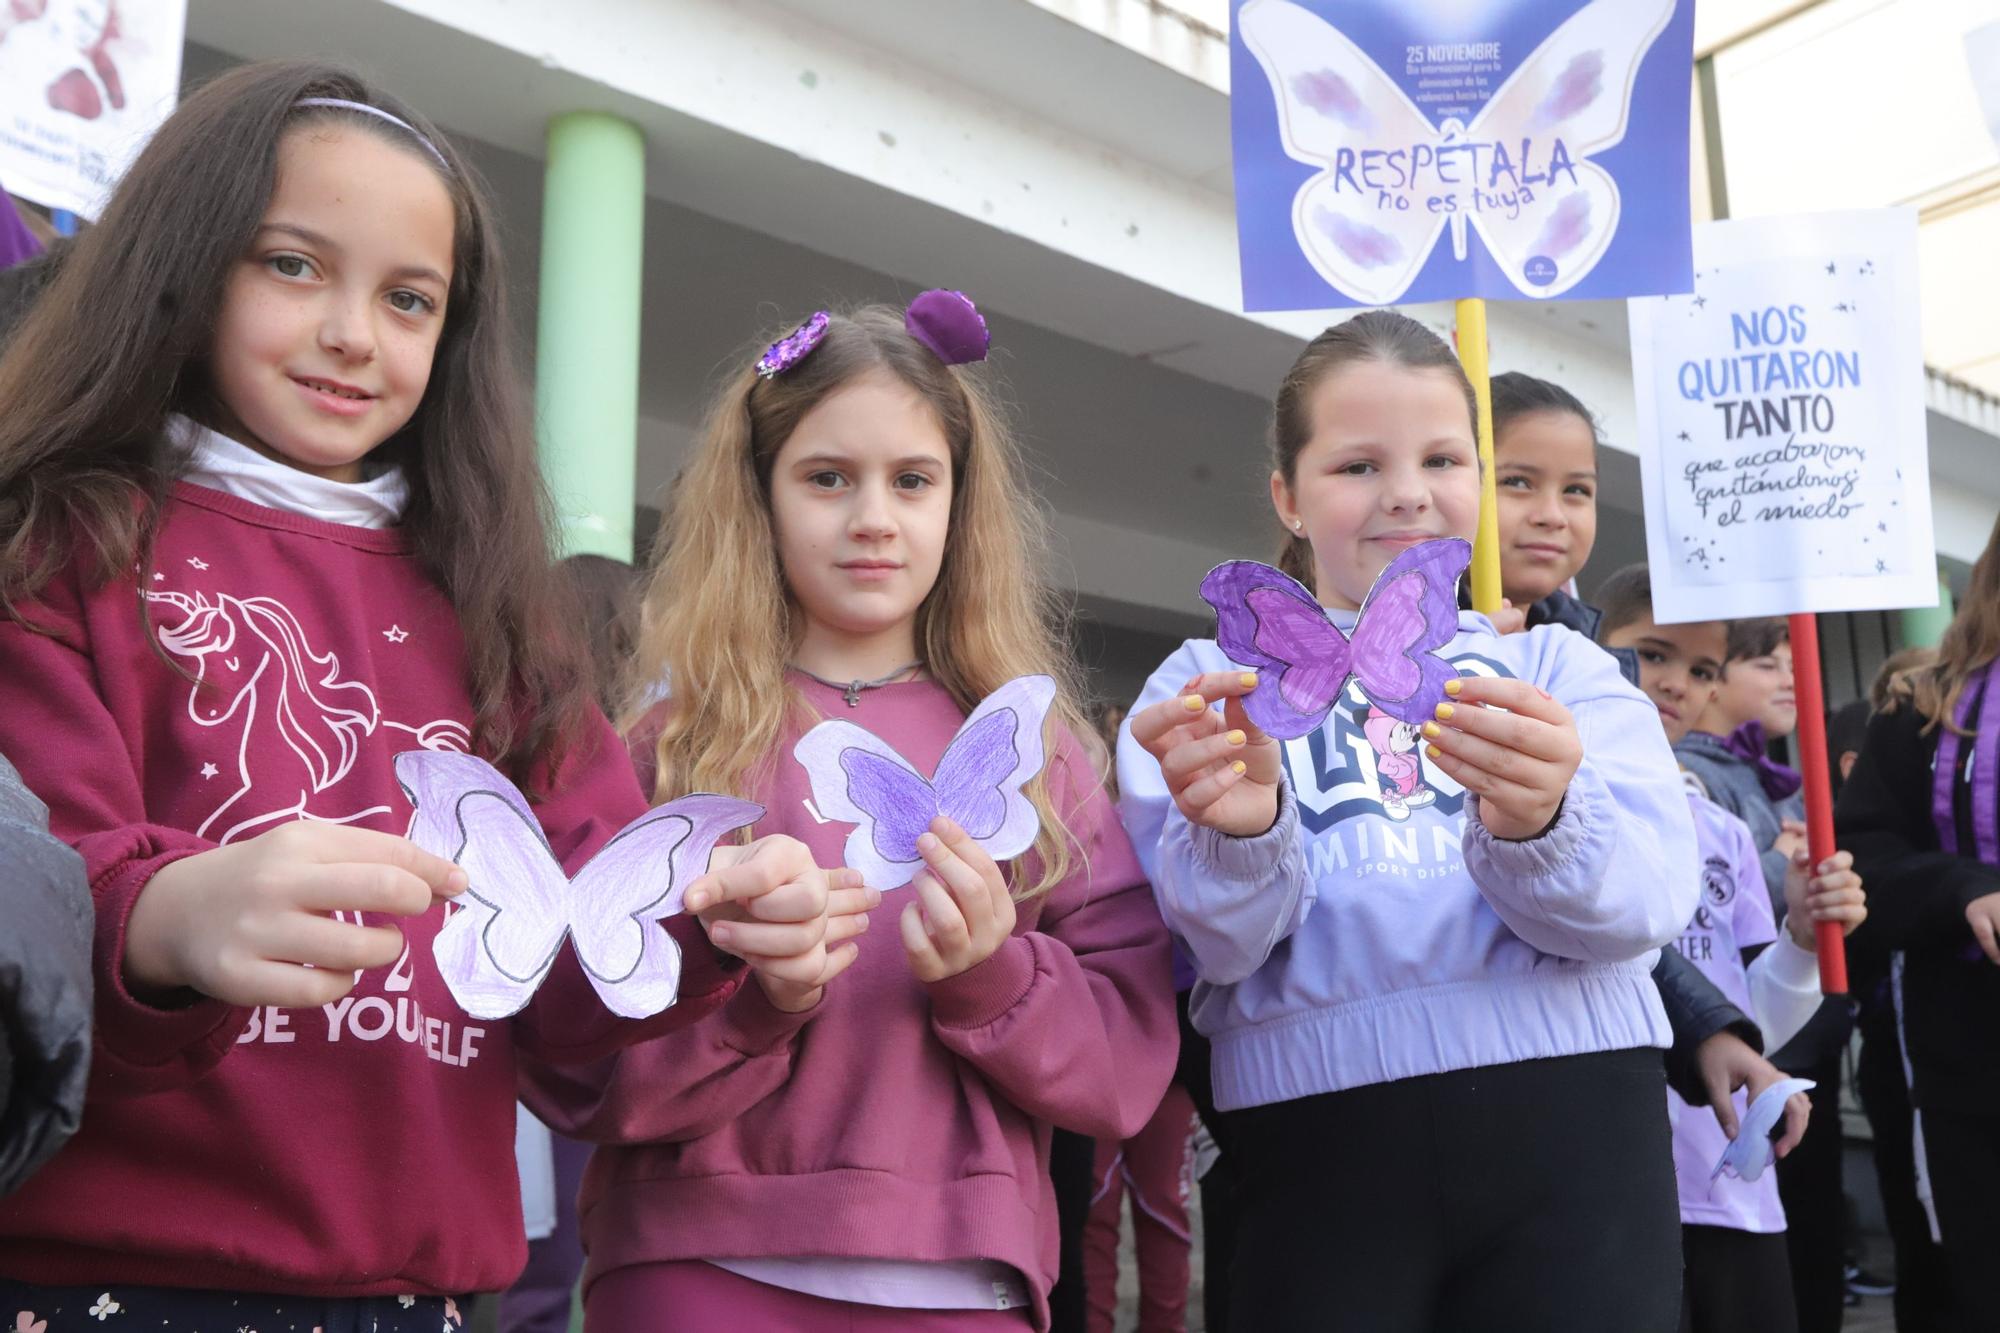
[1453, 686]
[1249, 680]
[1432, 730]
[1194, 703]
[1239, 767]
[1433, 751]
[1444, 712]
[1236, 738]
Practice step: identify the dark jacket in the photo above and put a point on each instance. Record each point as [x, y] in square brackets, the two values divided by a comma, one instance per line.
[1917, 895]
[1695, 1007]
[45, 995]
[1559, 608]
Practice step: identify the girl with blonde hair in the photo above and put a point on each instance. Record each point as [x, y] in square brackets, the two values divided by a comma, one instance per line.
[854, 541]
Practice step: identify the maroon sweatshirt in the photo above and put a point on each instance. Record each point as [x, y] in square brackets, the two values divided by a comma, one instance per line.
[896, 1119]
[362, 1148]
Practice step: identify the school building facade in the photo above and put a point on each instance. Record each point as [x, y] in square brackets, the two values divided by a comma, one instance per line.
[677, 175]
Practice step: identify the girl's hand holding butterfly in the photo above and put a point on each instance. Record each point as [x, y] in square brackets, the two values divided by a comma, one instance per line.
[1221, 770]
[963, 910]
[1512, 745]
[792, 922]
[254, 923]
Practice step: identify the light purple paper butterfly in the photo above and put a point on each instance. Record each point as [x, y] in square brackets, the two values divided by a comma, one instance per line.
[1269, 622]
[858, 778]
[1750, 1151]
[503, 934]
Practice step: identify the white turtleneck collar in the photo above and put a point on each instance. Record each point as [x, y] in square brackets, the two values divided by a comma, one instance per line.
[225, 465]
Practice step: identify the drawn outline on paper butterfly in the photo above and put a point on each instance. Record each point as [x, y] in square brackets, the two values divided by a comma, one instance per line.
[504, 932]
[860, 779]
[1271, 623]
[1334, 102]
[1750, 1151]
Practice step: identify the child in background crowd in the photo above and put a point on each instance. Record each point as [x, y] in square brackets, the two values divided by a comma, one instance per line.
[1737, 1277]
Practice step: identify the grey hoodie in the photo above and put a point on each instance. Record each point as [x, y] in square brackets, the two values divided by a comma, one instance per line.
[1733, 784]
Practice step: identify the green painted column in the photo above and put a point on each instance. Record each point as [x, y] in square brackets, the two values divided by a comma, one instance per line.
[1923, 626]
[587, 334]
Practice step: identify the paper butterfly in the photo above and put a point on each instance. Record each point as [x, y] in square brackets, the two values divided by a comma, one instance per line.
[503, 933]
[1334, 103]
[1268, 621]
[858, 778]
[1750, 1151]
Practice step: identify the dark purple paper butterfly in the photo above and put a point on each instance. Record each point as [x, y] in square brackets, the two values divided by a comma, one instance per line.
[1270, 623]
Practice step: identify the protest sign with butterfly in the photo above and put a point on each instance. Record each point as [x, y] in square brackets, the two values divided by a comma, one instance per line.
[1365, 130]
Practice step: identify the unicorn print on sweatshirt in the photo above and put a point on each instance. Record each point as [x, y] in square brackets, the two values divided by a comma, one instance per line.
[255, 669]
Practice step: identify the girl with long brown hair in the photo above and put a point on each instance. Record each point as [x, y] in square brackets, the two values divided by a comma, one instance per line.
[269, 514]
[1921, 813]
[854, 540]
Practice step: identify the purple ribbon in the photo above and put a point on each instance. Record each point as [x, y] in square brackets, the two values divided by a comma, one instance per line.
[1983, 778]
[1747, 744]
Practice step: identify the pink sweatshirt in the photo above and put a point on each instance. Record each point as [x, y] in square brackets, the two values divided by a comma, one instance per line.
[359, 1148]
[896, 1120]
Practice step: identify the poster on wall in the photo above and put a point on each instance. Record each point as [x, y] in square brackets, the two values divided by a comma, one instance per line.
[83, 85]
[1781, 421]
[1424, 150]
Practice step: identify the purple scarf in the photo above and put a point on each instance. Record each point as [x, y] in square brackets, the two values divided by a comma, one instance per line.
[1747, 744]
[1982, 775]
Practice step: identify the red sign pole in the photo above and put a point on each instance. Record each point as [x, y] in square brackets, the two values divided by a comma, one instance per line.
[1819, 788]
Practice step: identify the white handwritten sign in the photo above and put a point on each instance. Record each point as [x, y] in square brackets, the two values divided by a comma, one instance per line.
[1781, 421]
[83, 85]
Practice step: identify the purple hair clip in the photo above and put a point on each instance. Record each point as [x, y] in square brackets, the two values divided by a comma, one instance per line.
[793, 348]
[950, 325]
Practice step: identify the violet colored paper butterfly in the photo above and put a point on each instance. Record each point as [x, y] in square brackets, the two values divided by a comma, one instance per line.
[501, 938]
[858, 778]
[1750, 1151]
[1269, 622]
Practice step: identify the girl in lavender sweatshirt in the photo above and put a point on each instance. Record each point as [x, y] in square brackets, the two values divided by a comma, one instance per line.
[1430, 1005]
[869, 1150]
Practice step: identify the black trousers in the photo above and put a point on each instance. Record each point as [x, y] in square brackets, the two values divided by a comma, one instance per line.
[1816, 1207]
[100, 1306]
[1736, 1282]
[1218, 1186]
[1964, 1153]
[1923, 1294]
[1536, 1197]
[1071, 1160]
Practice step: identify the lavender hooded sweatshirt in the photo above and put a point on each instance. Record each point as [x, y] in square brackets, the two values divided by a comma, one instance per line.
[1378, 932]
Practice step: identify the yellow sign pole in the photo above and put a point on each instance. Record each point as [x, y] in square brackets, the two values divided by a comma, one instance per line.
[1486, 592]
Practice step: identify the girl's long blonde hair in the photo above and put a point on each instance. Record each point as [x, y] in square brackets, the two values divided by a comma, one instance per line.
[718, 622]
[1970, 643]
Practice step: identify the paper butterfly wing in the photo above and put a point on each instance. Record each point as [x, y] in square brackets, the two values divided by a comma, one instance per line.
[616, 902]
[859, 779]
[1317, 656]
[501, 935]
[1332, 98]
[997, 750]
[1266, 620]
[1576, 87]
[1750, 1151]
[1410, 613]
